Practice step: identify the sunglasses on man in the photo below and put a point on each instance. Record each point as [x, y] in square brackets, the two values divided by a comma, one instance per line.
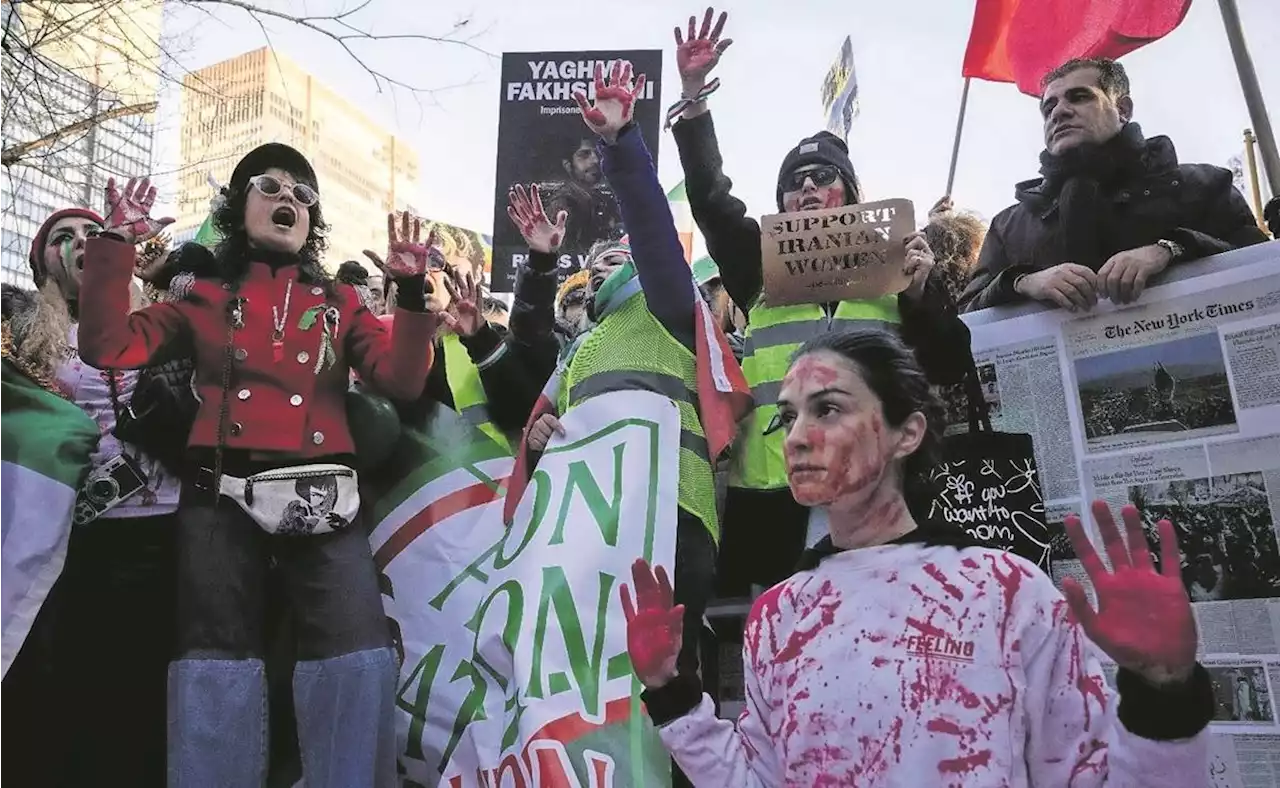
[270, 186]
[822, 175]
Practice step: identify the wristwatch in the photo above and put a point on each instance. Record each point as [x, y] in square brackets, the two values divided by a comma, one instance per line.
[1174, 248]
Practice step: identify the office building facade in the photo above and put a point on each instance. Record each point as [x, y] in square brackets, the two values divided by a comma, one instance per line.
[364, 171]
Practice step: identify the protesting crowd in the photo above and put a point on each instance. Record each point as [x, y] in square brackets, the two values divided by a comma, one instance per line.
[220, 613]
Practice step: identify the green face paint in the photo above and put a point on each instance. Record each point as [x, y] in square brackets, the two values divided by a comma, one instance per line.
[68, 256]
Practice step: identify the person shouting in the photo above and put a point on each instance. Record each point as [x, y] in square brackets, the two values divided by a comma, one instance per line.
[910, 656]
[764, 527]
[269, 476]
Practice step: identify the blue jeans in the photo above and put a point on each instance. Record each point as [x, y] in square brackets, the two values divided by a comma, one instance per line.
[344, 681]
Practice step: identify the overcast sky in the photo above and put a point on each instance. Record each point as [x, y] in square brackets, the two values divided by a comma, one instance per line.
[907, 52]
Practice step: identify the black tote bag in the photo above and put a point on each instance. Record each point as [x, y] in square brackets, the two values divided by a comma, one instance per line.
[987, 484]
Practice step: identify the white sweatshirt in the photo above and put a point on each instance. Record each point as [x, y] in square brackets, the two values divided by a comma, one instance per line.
[913, 666]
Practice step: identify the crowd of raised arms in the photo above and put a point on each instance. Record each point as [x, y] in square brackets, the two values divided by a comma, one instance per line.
[161, 655]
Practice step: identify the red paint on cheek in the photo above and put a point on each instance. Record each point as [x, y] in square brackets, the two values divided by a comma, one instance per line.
[835, 198]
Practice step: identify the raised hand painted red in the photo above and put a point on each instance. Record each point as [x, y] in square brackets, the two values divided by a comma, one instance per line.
[614, 102]
[406, 254]
[654, 625]
[701, 51]
[526, 212]
[1143, 620]
[129, 213]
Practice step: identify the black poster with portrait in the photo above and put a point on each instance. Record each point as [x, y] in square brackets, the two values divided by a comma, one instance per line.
[987, 483]
[542, 140]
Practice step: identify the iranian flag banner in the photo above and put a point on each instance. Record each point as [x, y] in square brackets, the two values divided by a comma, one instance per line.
[683, 215]
[515, 669]
[45, 443]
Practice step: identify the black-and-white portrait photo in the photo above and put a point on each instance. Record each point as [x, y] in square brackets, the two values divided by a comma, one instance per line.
[317, 495]
[1225, 532]
[1170, 391]
[1240, 694]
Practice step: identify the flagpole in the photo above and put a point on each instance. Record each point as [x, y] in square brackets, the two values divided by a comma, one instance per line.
[955, 146]
[1252, 93]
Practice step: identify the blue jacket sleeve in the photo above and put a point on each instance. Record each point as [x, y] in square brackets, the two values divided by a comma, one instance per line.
[655, 245]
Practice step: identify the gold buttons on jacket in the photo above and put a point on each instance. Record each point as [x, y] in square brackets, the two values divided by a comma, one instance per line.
[317, 437]
[236, 429]
[295, 400]
[303, 356]
[241, 354]
[243, 394]
[317, 291]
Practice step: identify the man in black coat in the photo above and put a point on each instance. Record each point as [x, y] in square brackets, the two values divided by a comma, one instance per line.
[1113, 209]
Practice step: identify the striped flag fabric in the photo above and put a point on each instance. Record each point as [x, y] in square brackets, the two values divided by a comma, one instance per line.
[684, 219]
[45, 445]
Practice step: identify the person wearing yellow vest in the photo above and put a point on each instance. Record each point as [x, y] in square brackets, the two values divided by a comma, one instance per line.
[652, 333]
[764, 526]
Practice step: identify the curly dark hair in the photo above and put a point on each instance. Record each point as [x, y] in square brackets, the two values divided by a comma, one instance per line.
[956, 239]
[232, 252]
[891, 371]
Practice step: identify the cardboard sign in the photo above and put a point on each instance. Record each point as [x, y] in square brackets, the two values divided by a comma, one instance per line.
[854, 252]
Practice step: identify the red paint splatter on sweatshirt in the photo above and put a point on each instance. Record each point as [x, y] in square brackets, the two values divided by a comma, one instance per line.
[885, 688]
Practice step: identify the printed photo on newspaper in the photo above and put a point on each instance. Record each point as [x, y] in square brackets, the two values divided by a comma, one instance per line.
[1171, 405]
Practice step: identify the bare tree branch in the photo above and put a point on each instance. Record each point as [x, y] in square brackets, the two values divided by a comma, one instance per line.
[15, 153]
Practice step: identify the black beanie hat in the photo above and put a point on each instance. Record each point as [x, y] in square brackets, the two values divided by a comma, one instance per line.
[273, 154]
[822, 148]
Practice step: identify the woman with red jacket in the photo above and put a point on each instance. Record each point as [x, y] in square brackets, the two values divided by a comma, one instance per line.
[269, 474]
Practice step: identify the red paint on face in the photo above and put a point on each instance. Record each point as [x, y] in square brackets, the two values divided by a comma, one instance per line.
[965, 764]
[970, 563]
[933, 571]
[811, 370]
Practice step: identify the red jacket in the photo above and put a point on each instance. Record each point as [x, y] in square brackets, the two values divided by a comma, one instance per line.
[282, 406]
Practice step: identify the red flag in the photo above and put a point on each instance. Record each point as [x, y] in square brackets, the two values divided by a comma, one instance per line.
[1022, 40]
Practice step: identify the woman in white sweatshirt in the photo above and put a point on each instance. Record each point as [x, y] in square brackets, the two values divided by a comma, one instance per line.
[908, 657]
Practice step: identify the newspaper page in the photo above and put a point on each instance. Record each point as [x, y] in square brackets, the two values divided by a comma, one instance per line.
[1172, 405]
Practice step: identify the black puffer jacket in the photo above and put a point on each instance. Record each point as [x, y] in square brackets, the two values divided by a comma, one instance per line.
[1193, 205]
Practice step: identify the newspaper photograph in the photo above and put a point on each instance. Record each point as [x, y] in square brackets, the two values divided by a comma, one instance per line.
[1171, 405]
[1158, 373]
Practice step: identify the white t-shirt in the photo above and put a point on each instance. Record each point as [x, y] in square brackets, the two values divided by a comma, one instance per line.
[912, 666]
[89, 388]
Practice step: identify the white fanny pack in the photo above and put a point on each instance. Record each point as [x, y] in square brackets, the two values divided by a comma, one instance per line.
[300, 500]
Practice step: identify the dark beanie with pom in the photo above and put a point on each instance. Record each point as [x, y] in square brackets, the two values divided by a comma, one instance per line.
[822, 148]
